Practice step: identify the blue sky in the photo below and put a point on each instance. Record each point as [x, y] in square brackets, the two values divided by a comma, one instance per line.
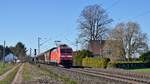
[25, 20]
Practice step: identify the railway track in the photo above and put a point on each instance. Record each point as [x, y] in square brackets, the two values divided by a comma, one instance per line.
[123, 72]
[118, 78]
[111, 76]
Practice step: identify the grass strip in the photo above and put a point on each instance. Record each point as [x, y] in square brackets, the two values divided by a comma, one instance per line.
[64, 78]
[5, 67]
[10, 77]
[26, 72]
[141, 70]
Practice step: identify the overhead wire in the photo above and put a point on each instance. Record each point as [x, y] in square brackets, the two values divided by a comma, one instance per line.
[114, 4]
[141, 14]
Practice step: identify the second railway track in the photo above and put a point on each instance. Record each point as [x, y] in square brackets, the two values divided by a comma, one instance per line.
[111, 76]
[115, 78]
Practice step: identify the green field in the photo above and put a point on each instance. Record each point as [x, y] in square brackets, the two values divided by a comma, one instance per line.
[142, 70]
[10, 77]
[5, 67]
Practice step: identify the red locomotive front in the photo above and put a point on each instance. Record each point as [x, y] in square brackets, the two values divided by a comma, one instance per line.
[62, 55]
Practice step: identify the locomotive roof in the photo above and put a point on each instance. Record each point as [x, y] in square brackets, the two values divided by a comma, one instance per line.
[64, 46]
[60, 46]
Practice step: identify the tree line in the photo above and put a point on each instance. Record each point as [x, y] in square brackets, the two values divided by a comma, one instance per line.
[124, 40]
[18, 50]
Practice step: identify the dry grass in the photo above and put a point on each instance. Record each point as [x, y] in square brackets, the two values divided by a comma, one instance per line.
[10, 77]
[4, 67]
[26, 72]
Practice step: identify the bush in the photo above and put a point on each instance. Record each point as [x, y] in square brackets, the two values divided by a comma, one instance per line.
[145, 57]
[85, 53]
[128, 65]
[80, 55]
[95, 62]
[77, 60]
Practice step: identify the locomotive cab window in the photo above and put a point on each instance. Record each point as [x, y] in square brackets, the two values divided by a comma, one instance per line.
[66, 51]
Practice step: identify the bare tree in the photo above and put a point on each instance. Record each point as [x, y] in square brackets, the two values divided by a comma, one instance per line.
[114, 43]
[135, 40]
[130, 39]
[93, 23]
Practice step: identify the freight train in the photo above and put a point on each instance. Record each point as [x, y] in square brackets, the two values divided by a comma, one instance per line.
[60, 55]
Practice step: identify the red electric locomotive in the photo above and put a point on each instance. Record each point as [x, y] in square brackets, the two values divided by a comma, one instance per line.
[61, 55]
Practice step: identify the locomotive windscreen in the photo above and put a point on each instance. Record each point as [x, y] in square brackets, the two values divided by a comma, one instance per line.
[67, 51]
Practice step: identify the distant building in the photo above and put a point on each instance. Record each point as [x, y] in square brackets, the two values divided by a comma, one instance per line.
[10, 58]
[96, 46]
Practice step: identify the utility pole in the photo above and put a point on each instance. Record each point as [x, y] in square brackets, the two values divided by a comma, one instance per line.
[30, 52]
[35, 56]
[39, 45]
[77, 42]
[4, 52]
[30, 55]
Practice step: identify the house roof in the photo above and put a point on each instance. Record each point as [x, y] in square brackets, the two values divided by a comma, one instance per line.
[96, 46]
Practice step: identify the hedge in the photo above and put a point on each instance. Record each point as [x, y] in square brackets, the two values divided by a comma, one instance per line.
[145, 57]
[77, 61]
[95, 62]
[129, 65]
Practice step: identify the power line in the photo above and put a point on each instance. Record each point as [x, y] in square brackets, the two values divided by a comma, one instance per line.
[114, 4]
[111, 6]
[140, 15]
[137, 16]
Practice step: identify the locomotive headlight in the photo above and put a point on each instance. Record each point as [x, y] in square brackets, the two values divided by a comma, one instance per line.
[66, 55]
[63, 56]
[69, 56]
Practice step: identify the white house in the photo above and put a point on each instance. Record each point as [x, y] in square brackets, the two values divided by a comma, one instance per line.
[10, 58]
